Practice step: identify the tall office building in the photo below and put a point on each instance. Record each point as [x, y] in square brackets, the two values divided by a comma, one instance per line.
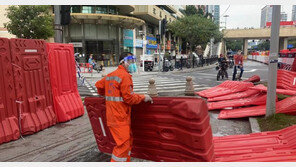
[284, 16]
[215, 11]
[294, 13]
[266, 15]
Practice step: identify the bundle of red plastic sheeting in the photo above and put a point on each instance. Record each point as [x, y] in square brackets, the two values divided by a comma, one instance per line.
[287, 105]
[286, 80]
[238, 95]
[263, 146]
[170, 129]
[279, 91]
[227, 87]
[271, 156]
[254, 78]
[257, 99]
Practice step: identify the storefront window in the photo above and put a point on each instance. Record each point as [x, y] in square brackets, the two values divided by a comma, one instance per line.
[102, 9]
[87, 9]
[75, 9]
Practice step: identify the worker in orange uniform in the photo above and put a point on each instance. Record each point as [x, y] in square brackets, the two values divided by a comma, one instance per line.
[117, 87]
[238, 63]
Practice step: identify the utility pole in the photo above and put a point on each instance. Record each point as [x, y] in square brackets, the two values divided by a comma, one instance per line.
[159, 49]
[273, 60]
[225, 19]
[58, 34]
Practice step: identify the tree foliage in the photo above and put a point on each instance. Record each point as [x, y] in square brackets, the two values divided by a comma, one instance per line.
[265, 45]
[190, 10]
[30, 21]
[234, 45]
[195, 29]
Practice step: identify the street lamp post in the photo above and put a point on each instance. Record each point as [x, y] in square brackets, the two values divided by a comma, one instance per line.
[225, 19]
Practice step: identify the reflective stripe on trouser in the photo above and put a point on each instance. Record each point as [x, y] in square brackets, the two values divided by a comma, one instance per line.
[112, 98]
[123, 140]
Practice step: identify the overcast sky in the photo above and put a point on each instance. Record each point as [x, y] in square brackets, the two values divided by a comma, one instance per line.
[246, 15]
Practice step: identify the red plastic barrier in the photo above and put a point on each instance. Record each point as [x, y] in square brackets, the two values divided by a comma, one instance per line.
[254, 78]
[242, 112]
[287, 105]
[272, 156]
[96, 110]
[240, 147]
[32, 84]
[257, 99]
[66, 99]
[286, 80]
[86, 68]
[170, 129]
[238, 95]
[227, 87]
[279, 91]
[9, 129]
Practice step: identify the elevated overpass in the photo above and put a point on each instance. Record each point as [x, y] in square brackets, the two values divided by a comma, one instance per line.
[263, 33]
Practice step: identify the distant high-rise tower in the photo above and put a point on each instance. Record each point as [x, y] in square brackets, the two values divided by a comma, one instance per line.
[215, 11]
[294, 13]
[284, 16]
[266, 15]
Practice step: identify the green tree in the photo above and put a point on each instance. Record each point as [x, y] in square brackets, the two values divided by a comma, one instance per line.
[265, 45]
[208, 15]
[234, 45]
[190, 10]
[196, 30]
[30, 21]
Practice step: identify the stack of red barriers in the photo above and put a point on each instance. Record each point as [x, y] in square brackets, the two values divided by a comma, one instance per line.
[171, 129]
[275, 146]
[246, 100]
[37, 84]
[178, 129]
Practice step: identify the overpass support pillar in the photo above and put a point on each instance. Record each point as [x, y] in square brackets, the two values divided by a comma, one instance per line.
[245, 51]
[283, 43]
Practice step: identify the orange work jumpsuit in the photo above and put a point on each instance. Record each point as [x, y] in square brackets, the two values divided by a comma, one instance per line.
[117, 87]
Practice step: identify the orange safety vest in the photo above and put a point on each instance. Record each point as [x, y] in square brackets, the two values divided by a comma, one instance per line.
[117, 87]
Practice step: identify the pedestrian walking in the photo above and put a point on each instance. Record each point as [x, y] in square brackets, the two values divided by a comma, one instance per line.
[181, 62]
[238, 63]
[91, 63]
[117, 87]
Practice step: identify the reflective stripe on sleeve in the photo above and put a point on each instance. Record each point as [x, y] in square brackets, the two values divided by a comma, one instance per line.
[115, 78]
[111, 98]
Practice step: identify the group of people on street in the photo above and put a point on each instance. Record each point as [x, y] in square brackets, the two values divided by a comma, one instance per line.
[238, 64]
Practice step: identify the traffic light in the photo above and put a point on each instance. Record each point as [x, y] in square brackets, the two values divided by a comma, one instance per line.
[163, 26]
[65, 14]
[158, 38]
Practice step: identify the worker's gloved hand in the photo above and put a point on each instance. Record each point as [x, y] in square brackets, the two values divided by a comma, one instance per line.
[148, 98]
